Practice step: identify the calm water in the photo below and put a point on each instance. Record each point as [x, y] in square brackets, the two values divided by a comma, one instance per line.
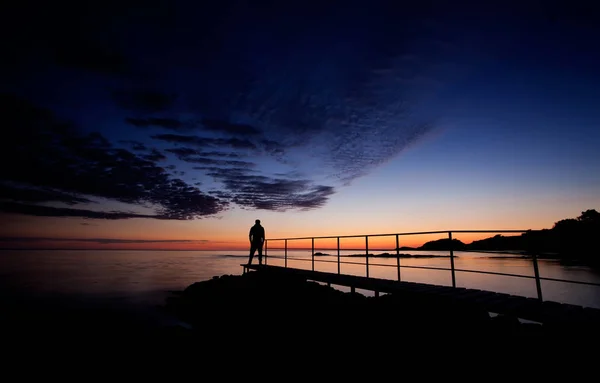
[144, 278]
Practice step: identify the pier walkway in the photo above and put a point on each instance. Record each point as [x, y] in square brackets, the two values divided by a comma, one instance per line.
[533, 309]
[521, 307]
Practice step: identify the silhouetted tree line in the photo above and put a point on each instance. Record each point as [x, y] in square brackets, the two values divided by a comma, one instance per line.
[572, 238]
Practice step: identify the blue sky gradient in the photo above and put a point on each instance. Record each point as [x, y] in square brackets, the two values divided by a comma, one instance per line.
[341, 119]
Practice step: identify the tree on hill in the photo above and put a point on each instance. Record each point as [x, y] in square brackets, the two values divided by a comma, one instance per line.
[577, 236]
[443, 244]
[571, 238]
[497, 242]
[591, 217]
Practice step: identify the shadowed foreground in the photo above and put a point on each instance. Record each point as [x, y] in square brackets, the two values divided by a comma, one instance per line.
[261, 315]
[288, 311]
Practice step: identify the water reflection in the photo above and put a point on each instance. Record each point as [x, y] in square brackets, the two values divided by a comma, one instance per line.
[386, 268]
[133, 275]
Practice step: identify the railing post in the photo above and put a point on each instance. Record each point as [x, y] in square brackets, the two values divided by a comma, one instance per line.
[285, 256]
[313, 254]
[536, 271]
[452, 259]
[367, 253]
[338, 254]
[398, 256]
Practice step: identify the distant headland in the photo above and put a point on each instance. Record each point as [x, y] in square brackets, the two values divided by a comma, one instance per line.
[389, 255]
[569, 240]
[401, 255]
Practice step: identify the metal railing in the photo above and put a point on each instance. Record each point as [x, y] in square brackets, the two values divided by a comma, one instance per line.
[452, 269]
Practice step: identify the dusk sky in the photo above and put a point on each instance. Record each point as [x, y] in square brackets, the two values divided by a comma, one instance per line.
[174, 125]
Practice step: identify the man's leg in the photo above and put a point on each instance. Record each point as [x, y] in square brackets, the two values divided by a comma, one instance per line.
[252, 250]
[259, 254]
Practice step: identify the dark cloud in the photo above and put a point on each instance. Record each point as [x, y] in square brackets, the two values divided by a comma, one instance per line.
[230, 128]
[135, 145]
[346, 93]
[154, 156]
[219, 172]
[235, 143]
[273, 148]
[181, 201]
[221, 154]
[48, 211]
[269, 193]
[24, 193]
[143, 100]
[42, 153]
[181, 139]
[279, 195]
[166, 123]
[194, 156]
[220, 194]
[356, 155]
[333, 108]
[293, 175]
[212, 161]
[204, 142]
[183, 152]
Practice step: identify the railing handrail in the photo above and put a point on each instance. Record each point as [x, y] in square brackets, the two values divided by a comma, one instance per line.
[406, 233]
[444, 269]
[452, 269]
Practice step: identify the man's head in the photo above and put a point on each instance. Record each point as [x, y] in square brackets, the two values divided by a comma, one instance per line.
[257, 222]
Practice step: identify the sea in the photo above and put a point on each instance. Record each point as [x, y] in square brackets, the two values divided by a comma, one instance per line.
[143, 280]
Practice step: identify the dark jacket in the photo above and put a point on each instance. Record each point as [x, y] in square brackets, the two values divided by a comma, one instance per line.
[257, 234]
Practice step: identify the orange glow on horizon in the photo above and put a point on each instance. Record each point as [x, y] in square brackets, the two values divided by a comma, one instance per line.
[379, 242]
[86, 245]
[219, 235]
[387, 243]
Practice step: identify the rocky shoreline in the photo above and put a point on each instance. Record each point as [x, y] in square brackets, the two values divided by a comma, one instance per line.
[263, 311]
[268, 305]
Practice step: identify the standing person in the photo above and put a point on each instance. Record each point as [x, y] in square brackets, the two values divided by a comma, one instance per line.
[257, 238]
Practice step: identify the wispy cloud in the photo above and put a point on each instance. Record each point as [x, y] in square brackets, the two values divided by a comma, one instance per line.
[135, 145]
[49, 211]
[45, 159]
[230, 128]
[270, 193]
[274, 128]
[154, 156]
[203, 142]
[167, 123]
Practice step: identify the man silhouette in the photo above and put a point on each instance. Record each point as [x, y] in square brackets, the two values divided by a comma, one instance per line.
[257, 238]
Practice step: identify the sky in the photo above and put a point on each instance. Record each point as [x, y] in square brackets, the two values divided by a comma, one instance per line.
[175, 124]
